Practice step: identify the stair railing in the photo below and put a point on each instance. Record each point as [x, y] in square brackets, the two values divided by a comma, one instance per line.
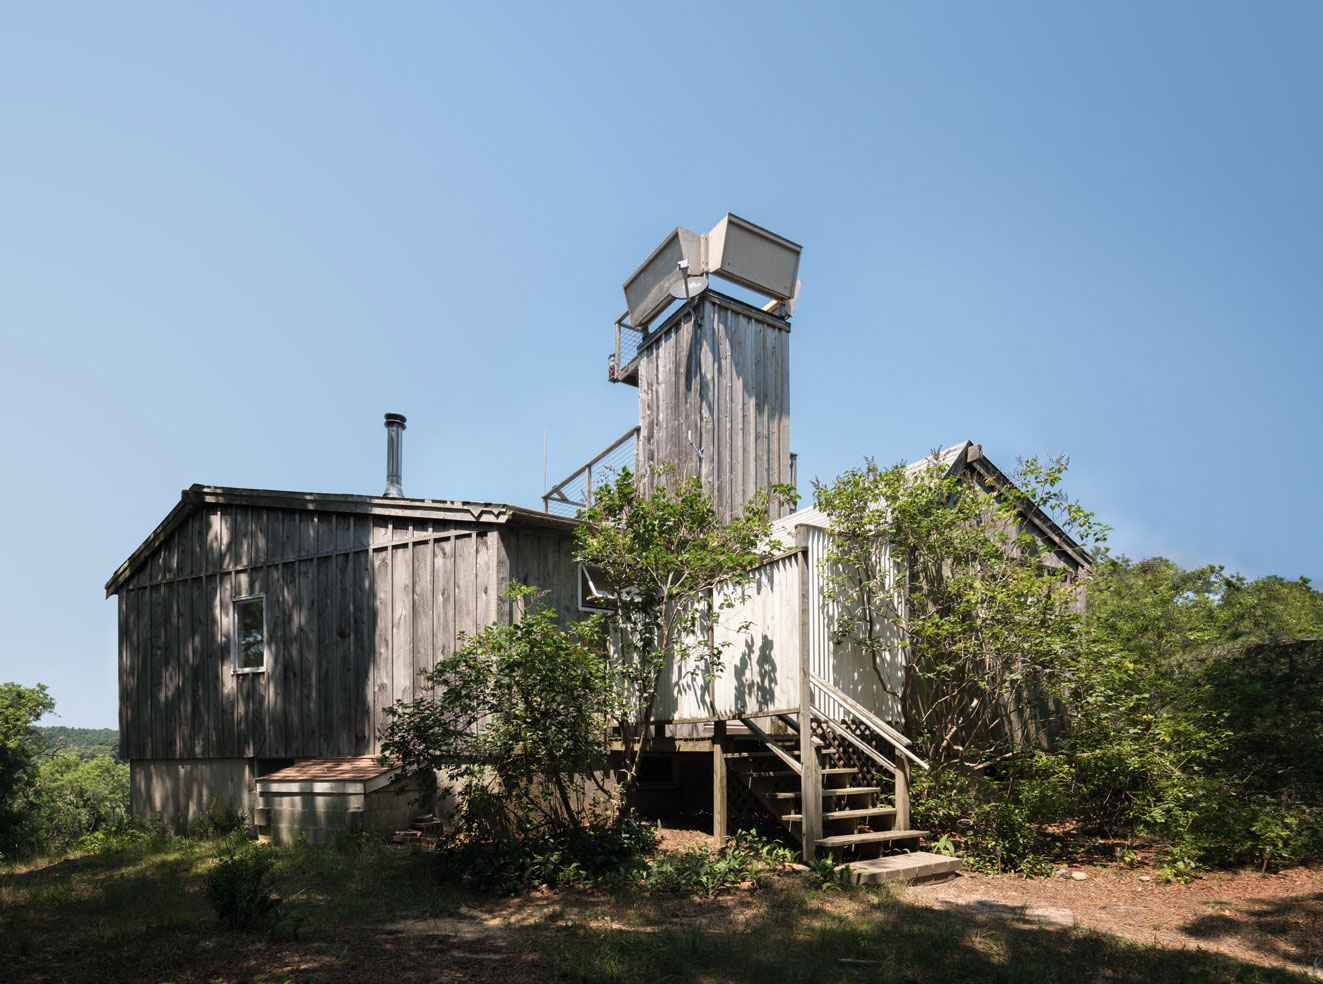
[899, 768]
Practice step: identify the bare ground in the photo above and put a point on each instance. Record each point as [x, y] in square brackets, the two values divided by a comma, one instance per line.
[1273, 919]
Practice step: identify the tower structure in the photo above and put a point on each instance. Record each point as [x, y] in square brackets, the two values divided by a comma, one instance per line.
[714, 376]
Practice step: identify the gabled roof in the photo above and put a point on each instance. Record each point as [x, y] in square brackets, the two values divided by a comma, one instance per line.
[957, 459]
[200, 496]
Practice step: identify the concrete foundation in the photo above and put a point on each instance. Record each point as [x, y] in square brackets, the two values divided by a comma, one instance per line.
[185, 788]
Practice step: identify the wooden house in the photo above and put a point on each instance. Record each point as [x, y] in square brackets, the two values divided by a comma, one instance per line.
[262, 633]
[261, 629]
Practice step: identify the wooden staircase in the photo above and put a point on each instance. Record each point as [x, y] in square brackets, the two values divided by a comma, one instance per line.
[834, 787]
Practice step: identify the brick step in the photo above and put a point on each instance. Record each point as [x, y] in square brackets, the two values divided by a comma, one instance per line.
[870, 837]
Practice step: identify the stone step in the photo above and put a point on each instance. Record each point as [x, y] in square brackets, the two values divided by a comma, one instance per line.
[918, 866]
[869, 837]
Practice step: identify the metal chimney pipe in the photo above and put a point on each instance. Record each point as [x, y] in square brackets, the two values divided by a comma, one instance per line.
[394, 454]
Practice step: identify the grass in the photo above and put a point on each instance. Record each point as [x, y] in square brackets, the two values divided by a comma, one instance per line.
[138, 913]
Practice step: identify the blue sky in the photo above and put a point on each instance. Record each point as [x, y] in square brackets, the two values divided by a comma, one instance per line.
[232, 237]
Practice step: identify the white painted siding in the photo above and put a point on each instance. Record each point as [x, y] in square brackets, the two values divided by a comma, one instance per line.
[844, 664]
[760, 672]
[760, 642]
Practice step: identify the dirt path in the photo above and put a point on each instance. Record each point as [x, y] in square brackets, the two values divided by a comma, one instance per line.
[1271, 919]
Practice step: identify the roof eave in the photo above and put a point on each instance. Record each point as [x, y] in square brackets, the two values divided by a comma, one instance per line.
[197, 496]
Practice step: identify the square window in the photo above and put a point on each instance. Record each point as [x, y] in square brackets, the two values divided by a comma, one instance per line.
[593, 594]
[249, 638]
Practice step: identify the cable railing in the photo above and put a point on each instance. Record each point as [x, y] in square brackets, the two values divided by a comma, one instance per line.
[628, 342]
[566, 498]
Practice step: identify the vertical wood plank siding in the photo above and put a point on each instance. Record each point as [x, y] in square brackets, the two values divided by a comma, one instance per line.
[547, 563]
[356, 607]
[720, 376]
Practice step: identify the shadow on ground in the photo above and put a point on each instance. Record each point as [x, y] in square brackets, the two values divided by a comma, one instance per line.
[1290, 930]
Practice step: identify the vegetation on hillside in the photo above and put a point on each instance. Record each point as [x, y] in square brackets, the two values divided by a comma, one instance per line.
[53, 798]
[86, 743]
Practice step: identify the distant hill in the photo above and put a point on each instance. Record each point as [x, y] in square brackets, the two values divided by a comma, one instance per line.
[86, 743]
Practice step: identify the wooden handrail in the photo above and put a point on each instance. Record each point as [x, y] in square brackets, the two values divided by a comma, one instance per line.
[858, 742]
[771, 743]
[898, 740]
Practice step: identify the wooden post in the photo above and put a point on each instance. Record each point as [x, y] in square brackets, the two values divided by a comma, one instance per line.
[720, 808]
[810, 789]
[902, 793]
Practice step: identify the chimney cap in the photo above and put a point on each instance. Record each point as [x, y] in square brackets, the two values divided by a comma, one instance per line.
[395, 418]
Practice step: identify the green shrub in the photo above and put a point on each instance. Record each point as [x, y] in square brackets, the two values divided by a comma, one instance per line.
[73, 799]
[219, 820]
[239, 891]
[996, 818]
[701, 871]
[599, 854]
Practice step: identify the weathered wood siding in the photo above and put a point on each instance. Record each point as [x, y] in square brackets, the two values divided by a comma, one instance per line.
[356, 606]
[718, 374]
[546, 560]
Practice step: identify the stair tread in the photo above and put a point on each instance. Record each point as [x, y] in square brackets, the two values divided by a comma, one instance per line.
[849, 790]
[872, 811]
[869, 837]
[838, 771]
[772, 774]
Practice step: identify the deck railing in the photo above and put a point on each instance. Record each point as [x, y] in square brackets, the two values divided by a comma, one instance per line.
[567, 497]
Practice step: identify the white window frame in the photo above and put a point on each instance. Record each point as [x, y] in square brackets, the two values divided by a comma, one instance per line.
[586, 577]
[607, 596]
[234, 635]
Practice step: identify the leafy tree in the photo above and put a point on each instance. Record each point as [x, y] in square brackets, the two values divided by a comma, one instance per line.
[949, 577]
[661, 554]
[517, 720]
[20, 708]
[73, 797]
[1195, 712]
[514, 720]
[1269, 610]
